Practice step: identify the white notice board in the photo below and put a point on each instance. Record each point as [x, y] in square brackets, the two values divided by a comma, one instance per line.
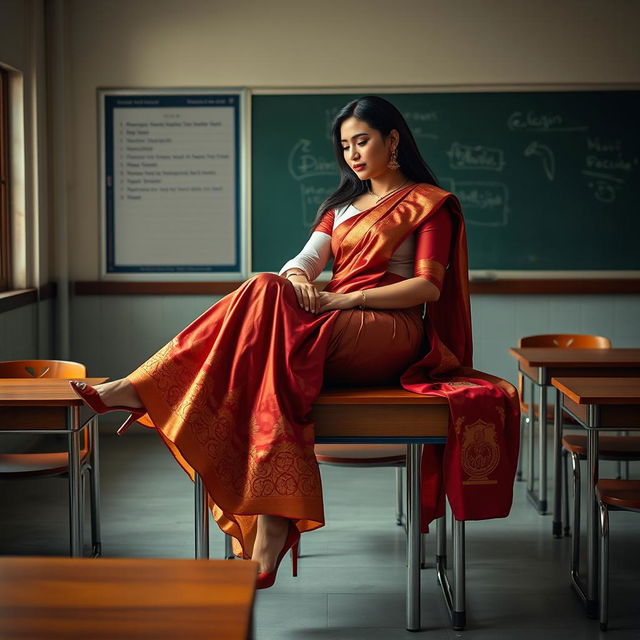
[172, 184]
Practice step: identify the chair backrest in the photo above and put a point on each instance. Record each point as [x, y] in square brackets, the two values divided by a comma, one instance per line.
[564, 340]
[45, 369]
[42, 369]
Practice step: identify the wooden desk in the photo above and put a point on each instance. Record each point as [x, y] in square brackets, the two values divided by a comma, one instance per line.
[45, 598]
[49, 406]
[597, 403]
[540, 365]
[385, 415]
[377, 416]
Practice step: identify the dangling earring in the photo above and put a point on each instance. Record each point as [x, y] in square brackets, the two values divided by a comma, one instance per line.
[393, 163]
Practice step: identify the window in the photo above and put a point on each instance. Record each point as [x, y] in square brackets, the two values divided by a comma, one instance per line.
[4, 180]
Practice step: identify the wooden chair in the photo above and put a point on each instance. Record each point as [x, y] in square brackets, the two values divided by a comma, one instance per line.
[619, 495]
[368, 455]
[614, 448]
[29, 465]
[550, 340]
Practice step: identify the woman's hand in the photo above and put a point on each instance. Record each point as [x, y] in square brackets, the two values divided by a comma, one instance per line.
[306, 292]
[328, 301]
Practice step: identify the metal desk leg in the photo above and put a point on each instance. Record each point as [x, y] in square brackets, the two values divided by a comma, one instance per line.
[557, 467]
[399, 496]
[458, 615]
[441, 542]
[228, 548]
[201, 518]
[75, 503]
[454, 597]
[592, 517]
[413, 537]
[539, 498]
[94, 461]
[531, 447]
[542, 421]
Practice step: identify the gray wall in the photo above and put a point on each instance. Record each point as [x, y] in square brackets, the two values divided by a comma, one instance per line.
[27, 332]
[114, 334]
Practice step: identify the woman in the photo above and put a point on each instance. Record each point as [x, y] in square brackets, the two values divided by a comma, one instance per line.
[231, 394]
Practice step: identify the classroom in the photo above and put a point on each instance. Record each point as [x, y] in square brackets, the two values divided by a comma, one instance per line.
[163, 165]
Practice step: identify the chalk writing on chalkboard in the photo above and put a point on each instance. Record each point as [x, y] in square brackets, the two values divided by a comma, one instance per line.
[316, 175]
[546, 156]
[533, 121]
[485, 203]
[466, 156]
[607, 167]
[422, 123]
[522, 163]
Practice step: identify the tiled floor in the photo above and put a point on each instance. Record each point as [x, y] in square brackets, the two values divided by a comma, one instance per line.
[351, 582]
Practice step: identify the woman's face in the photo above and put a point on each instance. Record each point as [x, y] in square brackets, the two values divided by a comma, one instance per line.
[364, 149]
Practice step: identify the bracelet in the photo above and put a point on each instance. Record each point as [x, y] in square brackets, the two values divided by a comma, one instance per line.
[363, 304]
[296, 273]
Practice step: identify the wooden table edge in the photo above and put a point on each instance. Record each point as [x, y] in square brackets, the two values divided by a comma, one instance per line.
[617, 364]
[586, 400]
[556, 382]
[70, 401]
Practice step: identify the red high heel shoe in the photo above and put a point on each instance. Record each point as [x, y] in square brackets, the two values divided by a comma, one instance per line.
[92, 398]
[266, 579]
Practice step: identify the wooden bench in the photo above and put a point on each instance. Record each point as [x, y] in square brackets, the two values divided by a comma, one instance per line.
[380, 415]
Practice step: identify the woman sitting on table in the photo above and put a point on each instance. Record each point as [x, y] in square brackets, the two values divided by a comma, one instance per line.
[231, 394]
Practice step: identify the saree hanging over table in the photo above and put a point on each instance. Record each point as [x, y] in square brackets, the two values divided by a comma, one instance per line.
[231, 394]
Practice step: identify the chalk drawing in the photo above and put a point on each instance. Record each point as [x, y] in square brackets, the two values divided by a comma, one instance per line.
[546, 156]
[604, 187]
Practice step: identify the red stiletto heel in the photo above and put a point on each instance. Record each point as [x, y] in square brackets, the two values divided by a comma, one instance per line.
[92, 399]
[266, 579]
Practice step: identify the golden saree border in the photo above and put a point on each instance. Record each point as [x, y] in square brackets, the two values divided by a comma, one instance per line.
[363, 251]
[430, 270]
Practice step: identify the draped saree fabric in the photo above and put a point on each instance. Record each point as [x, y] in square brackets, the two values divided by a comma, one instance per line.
[231, 394]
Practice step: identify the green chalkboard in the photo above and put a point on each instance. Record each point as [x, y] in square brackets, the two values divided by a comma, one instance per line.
[547, 180]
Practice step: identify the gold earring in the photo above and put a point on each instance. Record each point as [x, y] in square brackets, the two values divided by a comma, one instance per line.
[393, 162]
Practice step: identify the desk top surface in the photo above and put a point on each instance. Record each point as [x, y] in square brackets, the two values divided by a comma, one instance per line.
[44, 598]
[567, 357]
[56, 391]
[601, 391]
[375, 395]
[41, 391]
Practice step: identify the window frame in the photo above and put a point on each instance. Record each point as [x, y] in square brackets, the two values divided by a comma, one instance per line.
[5, 181]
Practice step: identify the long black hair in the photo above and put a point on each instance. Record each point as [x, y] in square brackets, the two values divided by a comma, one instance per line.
[381, 115]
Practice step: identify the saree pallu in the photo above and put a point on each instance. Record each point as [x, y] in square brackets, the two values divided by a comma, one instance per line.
[231, 394]
[476, 468]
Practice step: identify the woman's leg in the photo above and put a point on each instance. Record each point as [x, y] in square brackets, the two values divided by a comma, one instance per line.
[270, 537]
[271, 531]
[229, 396]
[119, 392]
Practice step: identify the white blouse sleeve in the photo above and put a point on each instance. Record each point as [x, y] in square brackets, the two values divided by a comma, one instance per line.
[314, 256]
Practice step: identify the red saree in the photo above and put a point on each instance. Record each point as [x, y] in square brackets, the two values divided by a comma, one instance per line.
[232, 393]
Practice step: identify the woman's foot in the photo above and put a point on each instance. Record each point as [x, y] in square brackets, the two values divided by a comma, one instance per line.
[119, 392]
[270, 538]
